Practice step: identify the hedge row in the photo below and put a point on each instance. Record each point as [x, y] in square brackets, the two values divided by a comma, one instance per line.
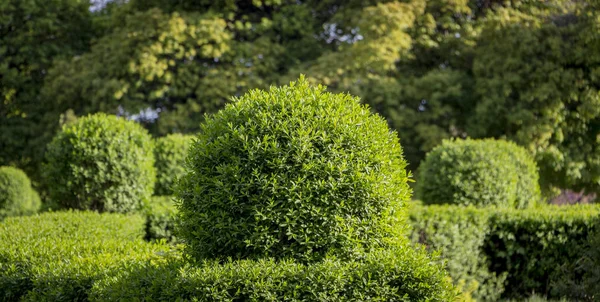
[59, 256]
[509, 253]
[78, 256]
[401, 275]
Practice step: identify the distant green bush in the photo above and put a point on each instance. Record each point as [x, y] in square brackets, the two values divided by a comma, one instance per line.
[58, 256]
[479, 172]
[400, 275]
[100, 162]
[170, 152]
[17, 197]
[161, 215]
[510, 253]
[293, 172]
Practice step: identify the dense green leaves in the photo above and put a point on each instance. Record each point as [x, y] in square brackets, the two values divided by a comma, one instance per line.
[401, 275]
[169, 154]
[102, 163]
[479, 172]
[59, 256]
[17, 197]
[32, 34]
[512, 253]
[291, 172]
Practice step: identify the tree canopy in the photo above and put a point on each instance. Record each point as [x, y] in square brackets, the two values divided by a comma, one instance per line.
[525, 71]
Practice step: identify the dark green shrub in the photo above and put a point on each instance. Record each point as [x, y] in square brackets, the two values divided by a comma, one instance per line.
[169, 153]
[478, 172]
[528, 249]
[291, 172]
[580, 280]
[459, 234]
[17, 197]
[100, 162]
[402, 275]
[58, 256]
[161, 214]
[531, 246]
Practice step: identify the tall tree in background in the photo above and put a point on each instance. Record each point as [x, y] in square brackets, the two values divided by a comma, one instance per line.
[32, 34]
[538, 84]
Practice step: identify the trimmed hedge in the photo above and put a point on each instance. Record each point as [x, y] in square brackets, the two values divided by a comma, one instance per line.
[169, 153]
[81, 256]
[161, 214]
[459, 234]
[100, 162]
[293, 172]
[508, 252]
[59, 256]
[17, 197]
[479, 172]
[402, 275]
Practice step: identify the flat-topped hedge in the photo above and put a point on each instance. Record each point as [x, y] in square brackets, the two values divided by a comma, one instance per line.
[510, 253]
[59, 256]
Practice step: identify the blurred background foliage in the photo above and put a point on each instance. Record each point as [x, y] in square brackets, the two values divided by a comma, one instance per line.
[526, 71]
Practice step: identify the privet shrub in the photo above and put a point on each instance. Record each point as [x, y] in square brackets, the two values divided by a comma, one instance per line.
[478, 172]
[169, 154]
[293, 172]
[58, 256]
[399, 275]
[102, 163]
[511, 253]
[459, 234]
[161, 214]
[17, 197]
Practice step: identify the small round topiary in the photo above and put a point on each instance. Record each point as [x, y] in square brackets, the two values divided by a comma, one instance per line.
[17, 197]
[293, 172]
[169, 154]
[479, 172]
[100, 162]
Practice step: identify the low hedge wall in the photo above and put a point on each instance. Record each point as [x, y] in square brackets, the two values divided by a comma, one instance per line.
[85, 256]
[509, 253]
[401, 275]
[59, 256]
[160, 218]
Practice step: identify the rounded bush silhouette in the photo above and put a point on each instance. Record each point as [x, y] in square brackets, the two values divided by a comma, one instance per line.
[293, 172]
[169, 153]
[102, 163]
[17, 197]
[480, 173]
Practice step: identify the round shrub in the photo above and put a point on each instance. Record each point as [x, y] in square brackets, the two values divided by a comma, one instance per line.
[169, 154]
[100, 162]
[293, 172]
[479, 172]
[17, 197]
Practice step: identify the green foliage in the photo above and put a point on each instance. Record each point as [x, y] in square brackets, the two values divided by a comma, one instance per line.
[580, 280]
[402, 275]
[479, 172]
[102, 163]
[532, 245]
[511, 253]
[32, 34]
[161, 215]
[459, 234]
[169, 154]
[17, 197]
[291, 172]
[545, 96]
[59, 256]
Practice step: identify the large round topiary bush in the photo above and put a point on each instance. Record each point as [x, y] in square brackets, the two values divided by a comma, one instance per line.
[100, 162]
[169, 153]
[293, 172]
[17, 197]
[478, 172]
